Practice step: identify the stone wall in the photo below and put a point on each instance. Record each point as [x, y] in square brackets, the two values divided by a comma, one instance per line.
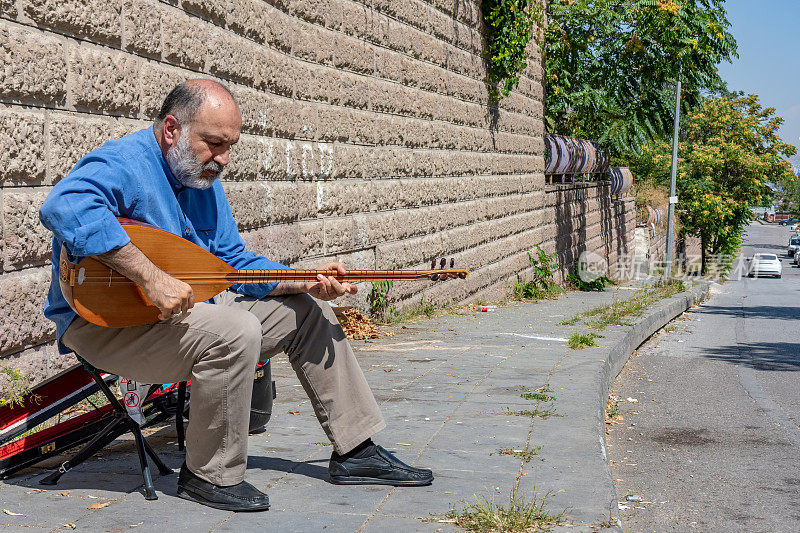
[368, 134]
[586, 218]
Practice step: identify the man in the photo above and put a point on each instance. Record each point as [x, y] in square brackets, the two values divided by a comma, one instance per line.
[166, 176]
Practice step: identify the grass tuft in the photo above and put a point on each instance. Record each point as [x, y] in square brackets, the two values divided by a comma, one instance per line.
[526, 455]
[578, 341]
[537, 394]
[520, 515]
[532, 413]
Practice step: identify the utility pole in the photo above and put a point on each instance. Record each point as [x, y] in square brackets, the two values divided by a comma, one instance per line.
[673, 199]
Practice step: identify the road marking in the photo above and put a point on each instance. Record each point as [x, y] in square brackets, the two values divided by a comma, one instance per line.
[537, 337]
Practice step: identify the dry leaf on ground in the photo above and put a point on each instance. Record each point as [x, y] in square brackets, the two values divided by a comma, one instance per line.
[12, 513]
[99, 505]
[358, 326]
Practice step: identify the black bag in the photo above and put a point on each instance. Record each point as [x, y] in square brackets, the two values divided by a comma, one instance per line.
[263, 394]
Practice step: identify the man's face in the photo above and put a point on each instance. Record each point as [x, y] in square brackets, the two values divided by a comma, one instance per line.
[203, 147]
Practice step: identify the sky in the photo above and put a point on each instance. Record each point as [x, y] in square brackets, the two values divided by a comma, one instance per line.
[768, 35]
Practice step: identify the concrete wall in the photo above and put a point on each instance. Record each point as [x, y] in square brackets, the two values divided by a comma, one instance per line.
[368, 134]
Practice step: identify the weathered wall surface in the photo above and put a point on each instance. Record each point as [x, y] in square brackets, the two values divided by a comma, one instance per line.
[585, 218]
[368, 134]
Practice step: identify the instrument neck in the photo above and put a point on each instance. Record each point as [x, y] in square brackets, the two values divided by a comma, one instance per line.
[277, 276]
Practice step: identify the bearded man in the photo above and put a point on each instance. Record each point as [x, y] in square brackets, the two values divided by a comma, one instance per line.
[166, 175]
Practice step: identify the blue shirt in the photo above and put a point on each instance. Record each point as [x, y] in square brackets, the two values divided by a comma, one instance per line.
[129, 177]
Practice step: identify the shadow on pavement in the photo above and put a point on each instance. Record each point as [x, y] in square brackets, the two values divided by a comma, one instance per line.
[772, 356]
[303, 468]
[762, 311]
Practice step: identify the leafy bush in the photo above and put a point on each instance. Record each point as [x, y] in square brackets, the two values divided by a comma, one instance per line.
[542, 284]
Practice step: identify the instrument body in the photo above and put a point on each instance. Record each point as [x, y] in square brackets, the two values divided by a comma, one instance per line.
[104, 297]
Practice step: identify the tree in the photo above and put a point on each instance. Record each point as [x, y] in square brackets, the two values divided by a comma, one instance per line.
[729, 155]
[611, 65]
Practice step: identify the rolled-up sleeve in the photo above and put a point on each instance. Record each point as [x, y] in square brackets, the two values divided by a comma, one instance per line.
[81, 211]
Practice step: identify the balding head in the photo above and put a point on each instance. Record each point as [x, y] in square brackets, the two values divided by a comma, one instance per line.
[196, 128]
[185, 100]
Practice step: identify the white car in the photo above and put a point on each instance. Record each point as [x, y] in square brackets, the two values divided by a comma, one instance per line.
[794, 245]
[764, 265]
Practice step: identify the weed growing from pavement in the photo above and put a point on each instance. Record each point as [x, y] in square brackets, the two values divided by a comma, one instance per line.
[616, 313]
[537, 394]
[571, 321]
[542, 283]
[578, 341]
[16, 388]
[521, 514]
[532, 413]
[526, 455]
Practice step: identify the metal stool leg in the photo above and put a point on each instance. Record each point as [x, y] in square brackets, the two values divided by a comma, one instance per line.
[149, 489]
[162, 468]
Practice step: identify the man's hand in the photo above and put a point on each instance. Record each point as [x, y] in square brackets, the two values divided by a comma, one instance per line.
[170, 295]
[329, 288]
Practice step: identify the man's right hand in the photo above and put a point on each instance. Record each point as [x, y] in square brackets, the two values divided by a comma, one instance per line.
[171, 295]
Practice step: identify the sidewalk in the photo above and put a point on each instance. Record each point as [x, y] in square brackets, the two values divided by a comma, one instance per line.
[443, 385]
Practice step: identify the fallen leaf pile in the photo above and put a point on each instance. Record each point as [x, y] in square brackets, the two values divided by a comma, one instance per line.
[358, 326]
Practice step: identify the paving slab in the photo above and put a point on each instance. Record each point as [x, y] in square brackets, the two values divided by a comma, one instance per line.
[448, 388]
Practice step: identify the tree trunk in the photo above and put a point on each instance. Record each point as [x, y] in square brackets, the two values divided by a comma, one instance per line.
[703, 243]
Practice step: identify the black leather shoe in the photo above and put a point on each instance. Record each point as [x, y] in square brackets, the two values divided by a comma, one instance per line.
[380, 468]
[241, 497]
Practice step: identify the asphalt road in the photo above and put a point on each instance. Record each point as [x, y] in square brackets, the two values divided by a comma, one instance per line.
[712, 442]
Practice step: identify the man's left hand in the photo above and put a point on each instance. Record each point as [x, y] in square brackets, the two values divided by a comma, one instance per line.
[328, 287]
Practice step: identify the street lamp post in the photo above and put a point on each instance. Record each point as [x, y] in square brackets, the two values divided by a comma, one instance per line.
[673, 199]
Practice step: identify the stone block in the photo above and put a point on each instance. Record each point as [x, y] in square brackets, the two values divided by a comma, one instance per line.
[157, 81]
[98, 21]
[352, 54]
[291, 201]
[35, 364]
[250, 18]
[250, 203]
[142, 27]
[287, 243]
[324, 86]
[231, 56]
[103, 81]
[8, 8]
[213, 10]
[275, 72]
[34, 67]
[22, 147]
[341, 235]
[249, 159]
[354, 91]
[185, 44]
[22, 323]
[73, 136]
[26, 241]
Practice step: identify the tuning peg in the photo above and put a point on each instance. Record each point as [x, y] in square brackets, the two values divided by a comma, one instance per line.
[452, 261]
[442, 263]
[433, 263]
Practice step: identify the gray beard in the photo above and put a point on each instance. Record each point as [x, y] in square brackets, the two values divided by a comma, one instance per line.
[187, 168]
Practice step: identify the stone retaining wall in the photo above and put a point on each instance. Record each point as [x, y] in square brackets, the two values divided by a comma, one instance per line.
[368, 134]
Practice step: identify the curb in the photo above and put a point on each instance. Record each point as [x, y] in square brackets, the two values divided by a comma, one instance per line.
[655, 319]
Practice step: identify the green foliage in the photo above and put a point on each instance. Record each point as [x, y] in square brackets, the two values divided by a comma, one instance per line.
[612, 65]
[509, 24]
[379, 299]
[542, 284]
[526, 454]
[729, 153]
[521, 514]
[539, 394]
[16, 387]
[597, 284]
[617, 313]
[578, 341]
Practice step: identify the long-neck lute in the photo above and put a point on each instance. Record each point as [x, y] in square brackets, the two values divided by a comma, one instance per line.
[106, 298]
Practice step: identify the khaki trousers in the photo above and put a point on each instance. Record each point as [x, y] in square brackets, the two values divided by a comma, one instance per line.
[217, 347]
